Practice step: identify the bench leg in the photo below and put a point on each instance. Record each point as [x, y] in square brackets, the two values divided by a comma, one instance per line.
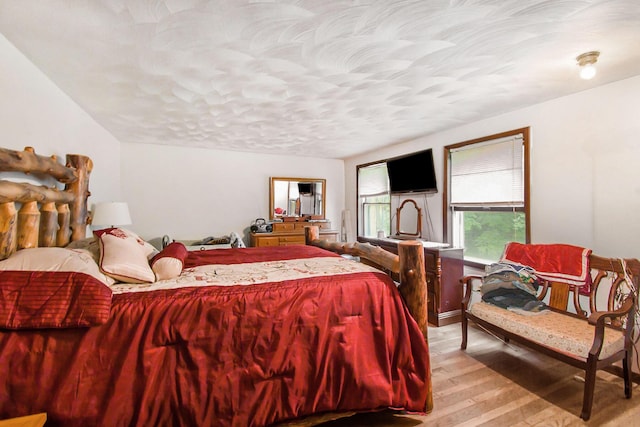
[589, 387]
[464, 323]
[626, 373]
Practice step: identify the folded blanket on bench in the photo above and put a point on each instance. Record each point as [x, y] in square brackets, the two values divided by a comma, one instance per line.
[554, 262]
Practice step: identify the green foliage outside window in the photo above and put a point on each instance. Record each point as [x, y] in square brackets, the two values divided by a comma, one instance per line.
[486, 233]
[377, 215]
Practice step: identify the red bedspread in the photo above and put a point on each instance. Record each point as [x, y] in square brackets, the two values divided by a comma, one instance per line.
[224, 356]
[52, 299]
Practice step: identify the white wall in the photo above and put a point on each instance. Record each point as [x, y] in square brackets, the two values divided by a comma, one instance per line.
[35, 112]
[189, 193]
[585, 153]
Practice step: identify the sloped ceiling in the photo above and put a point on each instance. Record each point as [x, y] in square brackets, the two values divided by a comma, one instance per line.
[325, 78]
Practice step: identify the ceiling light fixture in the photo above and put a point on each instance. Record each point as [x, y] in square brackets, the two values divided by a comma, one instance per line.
[587, 61]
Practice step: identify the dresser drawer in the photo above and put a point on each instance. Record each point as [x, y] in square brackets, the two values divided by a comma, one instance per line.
[284, 226]
[291, 240]
[267, 241]
[299, 226]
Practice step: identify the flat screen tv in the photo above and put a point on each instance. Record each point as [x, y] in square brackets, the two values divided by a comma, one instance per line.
[305, 188]
[413, 173]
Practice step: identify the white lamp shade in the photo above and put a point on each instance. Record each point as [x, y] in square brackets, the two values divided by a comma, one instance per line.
[111, 214]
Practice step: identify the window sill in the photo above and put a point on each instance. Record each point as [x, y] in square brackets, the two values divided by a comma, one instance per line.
[475, 266]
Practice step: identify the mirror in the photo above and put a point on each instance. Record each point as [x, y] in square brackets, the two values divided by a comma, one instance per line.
[297, 197]
[409, 219]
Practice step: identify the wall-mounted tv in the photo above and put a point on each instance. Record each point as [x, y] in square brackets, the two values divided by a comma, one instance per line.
[412, 173]
[305, 188]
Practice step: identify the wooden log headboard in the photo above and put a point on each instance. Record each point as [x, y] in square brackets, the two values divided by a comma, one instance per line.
[34, 215]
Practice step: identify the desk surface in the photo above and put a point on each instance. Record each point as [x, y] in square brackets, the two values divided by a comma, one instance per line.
[425, 243]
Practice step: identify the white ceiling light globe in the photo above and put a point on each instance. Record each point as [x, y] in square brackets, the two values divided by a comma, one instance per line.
[588, 72]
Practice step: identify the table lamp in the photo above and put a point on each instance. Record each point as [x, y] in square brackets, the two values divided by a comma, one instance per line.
[111, 214]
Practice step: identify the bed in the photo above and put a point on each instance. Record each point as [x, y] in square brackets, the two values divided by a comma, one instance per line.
[238, 337]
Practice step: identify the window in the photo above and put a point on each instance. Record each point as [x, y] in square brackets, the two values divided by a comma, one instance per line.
[487, 196]
[374, 201]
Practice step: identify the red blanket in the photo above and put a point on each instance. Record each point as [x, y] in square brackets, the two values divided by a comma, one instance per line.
[554, 262]
[224, 356]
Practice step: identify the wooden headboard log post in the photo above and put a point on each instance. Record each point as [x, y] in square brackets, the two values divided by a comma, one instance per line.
[48, 224]
[8, 229]
[408, 264]
[46, 216]
[80, 188]
[28, 225]
[63, 236]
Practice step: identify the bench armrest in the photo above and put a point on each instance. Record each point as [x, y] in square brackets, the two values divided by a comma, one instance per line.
[467, 286]
[598, 318]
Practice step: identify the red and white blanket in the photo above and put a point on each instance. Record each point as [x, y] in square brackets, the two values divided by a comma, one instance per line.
[554, 262]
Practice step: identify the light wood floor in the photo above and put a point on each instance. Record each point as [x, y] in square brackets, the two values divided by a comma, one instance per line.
[495, 384]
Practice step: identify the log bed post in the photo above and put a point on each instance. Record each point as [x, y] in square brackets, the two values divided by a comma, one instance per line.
[408, 264]
[80, 188]
[8, 229]
[413, 282]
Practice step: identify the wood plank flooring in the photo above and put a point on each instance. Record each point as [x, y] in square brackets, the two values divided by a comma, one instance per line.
[496, 384]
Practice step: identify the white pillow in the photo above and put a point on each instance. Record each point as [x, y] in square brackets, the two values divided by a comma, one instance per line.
[55, 259]
[123, 256]
[149, 250]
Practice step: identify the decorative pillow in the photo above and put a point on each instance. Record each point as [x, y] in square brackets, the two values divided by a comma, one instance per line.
[55, 259]
[149, 250]
[168, 264]
[123, 256]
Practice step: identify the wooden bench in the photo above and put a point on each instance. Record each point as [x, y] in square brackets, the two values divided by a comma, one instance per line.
[589, 332]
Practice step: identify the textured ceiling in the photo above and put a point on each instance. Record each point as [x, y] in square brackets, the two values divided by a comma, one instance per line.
[325, 78]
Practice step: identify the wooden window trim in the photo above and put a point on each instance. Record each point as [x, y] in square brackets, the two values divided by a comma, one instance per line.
[446, 211]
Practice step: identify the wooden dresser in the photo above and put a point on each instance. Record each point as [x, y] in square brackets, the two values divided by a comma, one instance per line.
[443, 267]
[291, 233]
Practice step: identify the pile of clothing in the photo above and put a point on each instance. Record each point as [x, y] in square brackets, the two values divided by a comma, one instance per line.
[236, 241]
[512, 286]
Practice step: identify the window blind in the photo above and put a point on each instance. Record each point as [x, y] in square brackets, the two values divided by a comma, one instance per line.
[490, 173]
[373, 180]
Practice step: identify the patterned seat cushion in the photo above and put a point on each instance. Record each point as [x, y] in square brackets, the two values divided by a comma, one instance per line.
[562, 333]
